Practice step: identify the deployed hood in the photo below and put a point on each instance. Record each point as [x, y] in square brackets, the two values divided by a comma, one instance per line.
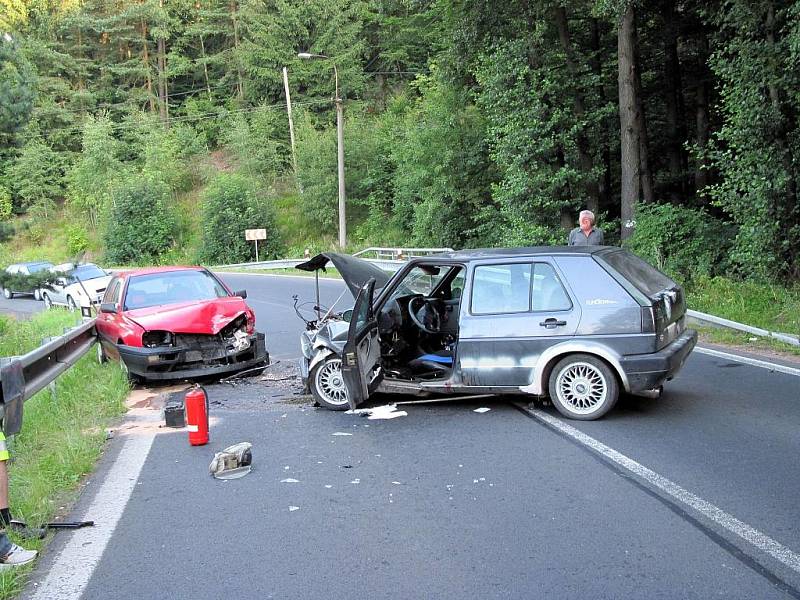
[355, 271]
[207, 317]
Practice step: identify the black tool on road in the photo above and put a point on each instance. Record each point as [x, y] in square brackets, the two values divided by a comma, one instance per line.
[24, 530]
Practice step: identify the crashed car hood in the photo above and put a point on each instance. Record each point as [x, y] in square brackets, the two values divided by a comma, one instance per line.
[355, 271]
[205, 317]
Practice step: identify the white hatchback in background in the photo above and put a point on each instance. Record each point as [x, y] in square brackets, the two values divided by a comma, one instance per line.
[76, 286]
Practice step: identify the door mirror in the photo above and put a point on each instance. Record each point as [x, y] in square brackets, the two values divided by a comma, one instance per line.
[108, 307]
[347, 315]
[62, 281]
[241, 293]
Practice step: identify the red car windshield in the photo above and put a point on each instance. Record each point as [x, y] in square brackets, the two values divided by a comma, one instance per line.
[172, 287]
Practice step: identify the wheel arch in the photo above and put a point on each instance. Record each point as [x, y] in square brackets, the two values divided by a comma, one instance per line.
[548, 359]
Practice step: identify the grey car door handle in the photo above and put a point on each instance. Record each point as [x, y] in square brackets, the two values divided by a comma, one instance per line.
[552, 323]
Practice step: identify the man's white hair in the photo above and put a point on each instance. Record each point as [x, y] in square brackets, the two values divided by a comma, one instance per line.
[588, 213]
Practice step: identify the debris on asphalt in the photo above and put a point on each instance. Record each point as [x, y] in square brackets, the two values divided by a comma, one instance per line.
[388, 411]
[293, 508]
[481, 410]
[289, 480]
[341, 433]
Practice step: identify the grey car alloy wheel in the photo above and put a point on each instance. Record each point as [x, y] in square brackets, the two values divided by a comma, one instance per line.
[583, 387]
[327, 384]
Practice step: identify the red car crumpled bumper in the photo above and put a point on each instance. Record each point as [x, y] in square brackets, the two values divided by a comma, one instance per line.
[193, 356]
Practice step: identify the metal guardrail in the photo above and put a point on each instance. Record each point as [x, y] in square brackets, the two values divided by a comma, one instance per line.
[22, 376]
[720, 322]
[400, 253]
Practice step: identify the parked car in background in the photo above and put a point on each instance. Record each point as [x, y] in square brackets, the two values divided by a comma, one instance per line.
[577, 324]
[76, 286]
[177, 323]
[25, 269]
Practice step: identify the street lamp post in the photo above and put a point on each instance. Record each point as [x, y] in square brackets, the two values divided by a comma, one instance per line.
[339, 147]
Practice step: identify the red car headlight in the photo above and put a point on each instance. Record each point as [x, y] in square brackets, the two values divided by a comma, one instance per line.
[154, 339]
[251, 322]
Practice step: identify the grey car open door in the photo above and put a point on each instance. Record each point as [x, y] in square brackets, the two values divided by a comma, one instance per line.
[361, 360]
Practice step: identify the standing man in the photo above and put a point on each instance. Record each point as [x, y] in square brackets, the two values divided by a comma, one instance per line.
[587, 234]
[11, 555]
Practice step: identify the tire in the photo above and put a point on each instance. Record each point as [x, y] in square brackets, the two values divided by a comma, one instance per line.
[71, 306]
[583, 387]
[327, 384]
[101, 354]
[132, 379]
[8, 293]
[48, 304]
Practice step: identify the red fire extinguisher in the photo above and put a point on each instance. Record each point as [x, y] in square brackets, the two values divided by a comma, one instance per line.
[196, 403]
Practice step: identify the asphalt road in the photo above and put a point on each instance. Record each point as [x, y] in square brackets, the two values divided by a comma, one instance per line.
[446, 502]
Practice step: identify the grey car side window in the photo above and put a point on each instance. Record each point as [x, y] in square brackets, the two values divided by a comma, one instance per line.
[498, 289]
[548, 292]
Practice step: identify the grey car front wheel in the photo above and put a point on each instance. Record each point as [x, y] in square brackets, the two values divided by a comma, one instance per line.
[327, 384]
[583, 387]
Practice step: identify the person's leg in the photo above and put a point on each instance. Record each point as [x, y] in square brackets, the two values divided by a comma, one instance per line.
[11, 555]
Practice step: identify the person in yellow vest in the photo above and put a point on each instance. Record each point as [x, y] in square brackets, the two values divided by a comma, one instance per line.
[11, 555]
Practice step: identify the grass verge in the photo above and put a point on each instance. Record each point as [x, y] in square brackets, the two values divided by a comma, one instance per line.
[63, 433]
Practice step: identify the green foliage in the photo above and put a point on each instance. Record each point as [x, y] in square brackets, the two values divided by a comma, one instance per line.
[90, 181]
[682, 242]
[758, 146]
[77, 239]
[765, 305]
[231, 204]
[141, 223]
[317, 174]
[253, 140]
[37, 176]
[17, 86]
[6, 206]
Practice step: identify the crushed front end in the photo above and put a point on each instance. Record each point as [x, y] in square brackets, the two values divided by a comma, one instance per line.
[166, 355]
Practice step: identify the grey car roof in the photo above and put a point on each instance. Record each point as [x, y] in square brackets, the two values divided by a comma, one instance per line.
[481, 253]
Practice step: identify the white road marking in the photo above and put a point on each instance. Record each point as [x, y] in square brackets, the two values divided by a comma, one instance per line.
[73, 567]
[749, 534]
[749, 361]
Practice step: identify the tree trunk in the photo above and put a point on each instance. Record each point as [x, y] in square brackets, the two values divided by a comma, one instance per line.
[701, 174]
[673, 104]
[205, 65]
[146, 61]
[604, 187]
[629, 133]
[645, 174]
[582, 143]
[163, 93]
[239, 79]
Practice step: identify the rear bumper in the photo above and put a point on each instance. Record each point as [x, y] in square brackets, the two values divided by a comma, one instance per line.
[168, 363]
[648, 371]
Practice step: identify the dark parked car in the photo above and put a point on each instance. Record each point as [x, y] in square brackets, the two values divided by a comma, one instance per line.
[577, 324]
[24, 270]
[177, 323]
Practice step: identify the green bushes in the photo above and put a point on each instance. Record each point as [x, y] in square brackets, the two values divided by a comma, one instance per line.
[681, 241]
[231, 204]
[141, 222]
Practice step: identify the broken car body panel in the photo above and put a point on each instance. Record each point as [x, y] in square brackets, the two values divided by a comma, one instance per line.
[208, 317]
[509, 321]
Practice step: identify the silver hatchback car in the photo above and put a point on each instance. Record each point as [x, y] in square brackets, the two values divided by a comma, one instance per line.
[577, 324]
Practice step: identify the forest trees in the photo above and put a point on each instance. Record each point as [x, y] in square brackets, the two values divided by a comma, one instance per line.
[468, 122]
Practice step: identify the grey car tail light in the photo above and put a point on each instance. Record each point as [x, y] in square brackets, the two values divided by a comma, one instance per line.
[648, 320]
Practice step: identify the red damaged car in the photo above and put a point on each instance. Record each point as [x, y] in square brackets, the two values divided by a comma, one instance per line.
[177, 323]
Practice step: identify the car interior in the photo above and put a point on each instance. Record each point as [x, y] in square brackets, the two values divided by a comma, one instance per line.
[418, 323]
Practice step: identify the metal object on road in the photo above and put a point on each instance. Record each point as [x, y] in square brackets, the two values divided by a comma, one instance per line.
[233, 462]
[196, 403]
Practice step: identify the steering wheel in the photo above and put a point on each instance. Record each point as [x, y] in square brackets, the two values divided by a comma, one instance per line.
[424, 314]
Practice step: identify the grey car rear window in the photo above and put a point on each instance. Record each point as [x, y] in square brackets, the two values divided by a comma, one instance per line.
[645, 277]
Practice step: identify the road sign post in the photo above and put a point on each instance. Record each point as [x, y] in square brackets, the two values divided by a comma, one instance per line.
[255, 235]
